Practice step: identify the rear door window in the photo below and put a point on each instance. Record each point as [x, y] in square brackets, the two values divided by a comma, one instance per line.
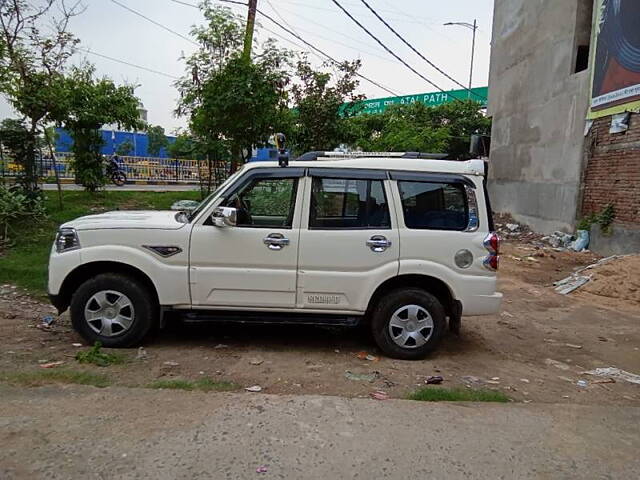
[348, 203]
[434, 205]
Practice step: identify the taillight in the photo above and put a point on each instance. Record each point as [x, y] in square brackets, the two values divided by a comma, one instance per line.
[491, 262]
[492, 244]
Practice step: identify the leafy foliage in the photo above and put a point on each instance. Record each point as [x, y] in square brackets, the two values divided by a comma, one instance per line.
[319, 118]
[15, 207]
[604, 219]
[231, 101]
[91, 103]
[34, 48]
[96, 356]
[157, 140]
[445, 128]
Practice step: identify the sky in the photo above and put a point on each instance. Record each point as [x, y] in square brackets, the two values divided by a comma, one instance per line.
[108, 29]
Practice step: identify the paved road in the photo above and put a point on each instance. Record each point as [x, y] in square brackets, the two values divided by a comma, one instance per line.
[131, 188]
[82, 432]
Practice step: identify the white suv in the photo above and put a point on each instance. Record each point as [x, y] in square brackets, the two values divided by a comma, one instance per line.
[404, 244]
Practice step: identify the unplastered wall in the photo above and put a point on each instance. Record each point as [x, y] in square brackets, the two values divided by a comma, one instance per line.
[612, 171]
[538, 105]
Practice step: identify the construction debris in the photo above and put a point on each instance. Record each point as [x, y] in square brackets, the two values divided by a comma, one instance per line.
[613, 372]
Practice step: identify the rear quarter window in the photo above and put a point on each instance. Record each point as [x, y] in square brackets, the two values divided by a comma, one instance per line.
[434, 205]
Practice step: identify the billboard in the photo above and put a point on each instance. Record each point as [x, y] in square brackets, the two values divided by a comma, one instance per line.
[615, 85]
[432, 99]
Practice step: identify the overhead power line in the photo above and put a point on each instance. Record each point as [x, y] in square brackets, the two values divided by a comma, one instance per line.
[373, 82]
[418, 53]
[389, 50]
[299, 37]
[91, 52]
[164, 27]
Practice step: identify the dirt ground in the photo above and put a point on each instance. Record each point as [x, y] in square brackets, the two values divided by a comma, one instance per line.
[535, 350]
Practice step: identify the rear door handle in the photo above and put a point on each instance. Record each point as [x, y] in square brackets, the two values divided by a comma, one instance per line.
[275, 241]
[378, 243]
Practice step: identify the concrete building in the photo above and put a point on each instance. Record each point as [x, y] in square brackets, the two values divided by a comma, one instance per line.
[556, 84]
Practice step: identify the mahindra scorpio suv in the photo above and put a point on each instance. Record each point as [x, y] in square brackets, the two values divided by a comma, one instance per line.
[403, 245]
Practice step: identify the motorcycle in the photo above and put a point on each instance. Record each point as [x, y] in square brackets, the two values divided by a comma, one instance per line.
[115, 173]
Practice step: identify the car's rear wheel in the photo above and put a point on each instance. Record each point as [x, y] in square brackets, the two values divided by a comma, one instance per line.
[408, 323]
[113, 309]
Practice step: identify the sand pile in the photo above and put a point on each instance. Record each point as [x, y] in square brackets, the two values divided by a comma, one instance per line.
[619, 278]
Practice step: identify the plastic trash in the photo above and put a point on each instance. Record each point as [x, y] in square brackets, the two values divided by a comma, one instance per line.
[48, 321]
[582, 242]
[51, 364]
[379, 395]
[256, 361]
[142, 354]
[434, 380]
[261, 469]
[171, 363]
[254, 389]
[582, 383]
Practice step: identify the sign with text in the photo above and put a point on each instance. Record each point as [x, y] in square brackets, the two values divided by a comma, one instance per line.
[432, 99]
[615, 86]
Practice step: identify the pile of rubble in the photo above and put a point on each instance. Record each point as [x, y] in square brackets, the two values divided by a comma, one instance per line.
[509, 229]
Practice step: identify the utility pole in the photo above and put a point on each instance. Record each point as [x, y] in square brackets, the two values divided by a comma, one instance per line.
[473, 49]
[473, 27]
[248, 37]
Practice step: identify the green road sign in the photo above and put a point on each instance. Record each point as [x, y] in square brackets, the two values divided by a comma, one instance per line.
[432, 99]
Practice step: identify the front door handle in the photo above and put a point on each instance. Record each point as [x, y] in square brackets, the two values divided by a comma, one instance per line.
[378, 243]
[275, 241]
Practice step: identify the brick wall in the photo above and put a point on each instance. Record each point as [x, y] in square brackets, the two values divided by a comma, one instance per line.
[612, 171]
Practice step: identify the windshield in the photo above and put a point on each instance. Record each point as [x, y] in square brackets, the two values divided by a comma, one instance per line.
[194, 214]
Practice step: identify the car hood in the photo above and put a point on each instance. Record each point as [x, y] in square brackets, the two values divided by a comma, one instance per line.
[159, 220]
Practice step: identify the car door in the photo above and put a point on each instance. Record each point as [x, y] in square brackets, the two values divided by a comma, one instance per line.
[349, 240]
[252, 264]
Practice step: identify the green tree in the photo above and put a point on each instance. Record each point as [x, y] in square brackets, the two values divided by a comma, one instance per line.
[125, 148]
[34, 48]
[228, 100]
[445, 128]
[319, 118]
[157, 140]
[92, 103]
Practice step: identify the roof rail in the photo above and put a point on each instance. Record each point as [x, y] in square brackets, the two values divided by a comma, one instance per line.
[315, 155]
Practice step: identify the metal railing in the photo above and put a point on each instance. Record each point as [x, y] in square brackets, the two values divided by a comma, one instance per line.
[136, 168]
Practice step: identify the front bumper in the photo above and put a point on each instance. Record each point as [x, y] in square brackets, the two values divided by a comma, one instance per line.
[59, 302]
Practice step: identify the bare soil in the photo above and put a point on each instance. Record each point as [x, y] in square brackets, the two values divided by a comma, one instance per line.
[535, 350]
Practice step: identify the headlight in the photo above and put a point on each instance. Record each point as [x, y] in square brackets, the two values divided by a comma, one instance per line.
[67, 239]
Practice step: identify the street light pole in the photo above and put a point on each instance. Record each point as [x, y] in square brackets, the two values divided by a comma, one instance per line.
[473, 27]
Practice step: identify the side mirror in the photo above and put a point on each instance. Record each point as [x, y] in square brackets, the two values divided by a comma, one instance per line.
[224, 217]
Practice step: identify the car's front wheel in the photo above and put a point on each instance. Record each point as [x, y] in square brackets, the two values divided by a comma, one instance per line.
[408, 323]
[113, 309]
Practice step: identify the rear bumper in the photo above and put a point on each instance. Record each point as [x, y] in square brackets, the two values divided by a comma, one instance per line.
[482, 304]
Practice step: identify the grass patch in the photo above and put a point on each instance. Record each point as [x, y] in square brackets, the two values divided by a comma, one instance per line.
[202, 384]
[24, 262]
[96, 356]
[45, 377]
[438, 394]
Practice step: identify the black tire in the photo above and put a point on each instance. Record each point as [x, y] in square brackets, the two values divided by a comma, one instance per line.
[395, 301]
[144, 307]
[119, 178]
